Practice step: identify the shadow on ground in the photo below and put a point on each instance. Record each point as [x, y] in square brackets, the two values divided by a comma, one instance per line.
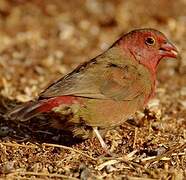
[36, 130]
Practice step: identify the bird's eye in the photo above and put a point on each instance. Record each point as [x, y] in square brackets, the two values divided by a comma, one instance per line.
[150, 41]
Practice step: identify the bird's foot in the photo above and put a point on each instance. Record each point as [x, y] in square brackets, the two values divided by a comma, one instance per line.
[103, 144]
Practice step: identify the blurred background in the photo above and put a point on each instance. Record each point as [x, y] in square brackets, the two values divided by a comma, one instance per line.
[42, 40]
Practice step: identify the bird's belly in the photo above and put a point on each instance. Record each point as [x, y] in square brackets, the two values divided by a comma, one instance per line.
[108, 113]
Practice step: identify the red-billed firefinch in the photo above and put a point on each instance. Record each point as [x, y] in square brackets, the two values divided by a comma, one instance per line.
[106, 90]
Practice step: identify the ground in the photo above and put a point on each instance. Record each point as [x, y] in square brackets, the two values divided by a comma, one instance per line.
[42, 40]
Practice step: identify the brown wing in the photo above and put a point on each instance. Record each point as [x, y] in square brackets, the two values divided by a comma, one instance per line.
[83, 81]
[122, 83]
[99, 80]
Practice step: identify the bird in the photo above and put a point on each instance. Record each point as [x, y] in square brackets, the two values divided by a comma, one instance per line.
[104, 92]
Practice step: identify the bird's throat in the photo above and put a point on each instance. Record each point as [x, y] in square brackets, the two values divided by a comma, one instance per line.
[153, 86]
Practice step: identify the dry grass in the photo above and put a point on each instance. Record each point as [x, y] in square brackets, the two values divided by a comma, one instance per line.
[42, 40]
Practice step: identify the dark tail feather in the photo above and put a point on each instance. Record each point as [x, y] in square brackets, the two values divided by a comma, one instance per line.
[25, 112]
[30, 109]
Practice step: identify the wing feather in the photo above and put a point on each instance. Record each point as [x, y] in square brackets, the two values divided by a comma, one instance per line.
[100, 81]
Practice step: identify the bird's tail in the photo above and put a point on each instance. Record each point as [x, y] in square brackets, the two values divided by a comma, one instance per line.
[25, 111]
[31, 109]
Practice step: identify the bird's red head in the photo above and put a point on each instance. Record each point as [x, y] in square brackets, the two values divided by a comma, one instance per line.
[148, 46]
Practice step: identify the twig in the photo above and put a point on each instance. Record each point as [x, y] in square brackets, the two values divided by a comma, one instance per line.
[24, 178]
[116, 160]
[135, 137]
[138, 178]
[50, 145]
[17, 145]
[164, 156]
[42, 174]
[110, 162]
[71, 149]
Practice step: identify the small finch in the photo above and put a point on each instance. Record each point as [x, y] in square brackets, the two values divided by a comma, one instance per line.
[105, 91]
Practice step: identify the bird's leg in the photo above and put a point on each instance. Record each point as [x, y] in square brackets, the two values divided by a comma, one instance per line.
[102, 142]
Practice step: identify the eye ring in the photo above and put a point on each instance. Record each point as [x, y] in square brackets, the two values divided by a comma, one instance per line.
[150, 41]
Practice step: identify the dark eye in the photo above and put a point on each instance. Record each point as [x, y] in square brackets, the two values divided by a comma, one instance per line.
[150, 41]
